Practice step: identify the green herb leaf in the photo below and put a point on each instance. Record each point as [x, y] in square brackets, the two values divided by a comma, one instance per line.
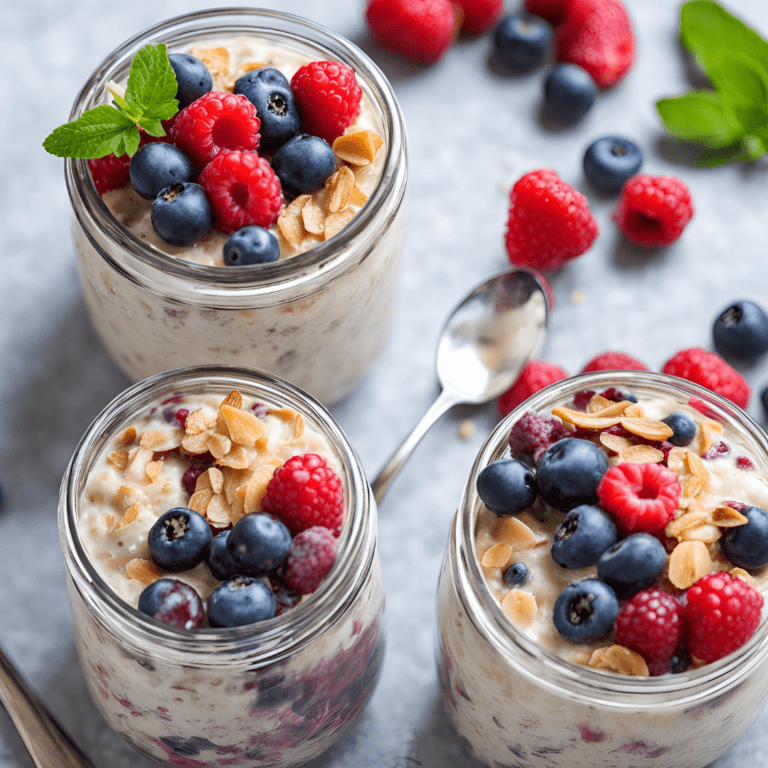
[152, 82]
[699, 116]
[96, 133]
[742, 87]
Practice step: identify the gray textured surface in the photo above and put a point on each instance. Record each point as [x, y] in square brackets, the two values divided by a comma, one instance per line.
[472, 133]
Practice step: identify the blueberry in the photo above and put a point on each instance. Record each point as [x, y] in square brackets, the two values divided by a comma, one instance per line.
[746, 546]
[192, 77]
[220, 562]
[764, 401]
[258, 543]
[632, 564]
[157, 166]
[304, 163]
[610, 160]
[741, 330]
[251, 245]
[239, 601]
[172, 602]
[515, 575]
[585, 533]
[683, 428]
[181, 214]
[270, 92]
[569, 93]
[521, 41]
[506, 487]
[569, 472]
[179, 539]
[585, 610]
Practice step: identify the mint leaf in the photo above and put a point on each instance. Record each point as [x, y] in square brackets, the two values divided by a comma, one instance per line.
[699, 116]
[742, 87]
[96, 133]
[152, 81]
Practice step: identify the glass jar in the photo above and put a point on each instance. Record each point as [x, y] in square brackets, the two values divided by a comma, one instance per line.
[276, 693]
[513, 702]
[319, 319]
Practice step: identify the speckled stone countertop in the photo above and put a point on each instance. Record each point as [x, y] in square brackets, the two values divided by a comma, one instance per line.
[473, 132]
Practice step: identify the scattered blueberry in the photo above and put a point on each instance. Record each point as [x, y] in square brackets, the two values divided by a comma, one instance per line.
[683, 428]
[219, 560]
[181, 214]
[506, 487]
[270, 92]
[179, 539]
[746, 546]
[610, 160]
[585, 533]
[585, 610]
[741, 330]
[157, 166]
[632, 564]
[304, 163]
[680, 662]
[172, 602]
[251, 245]
[192, 77]
[521, 41]
[515, 575]
[569, 472]
[258, 543]
[239, 601]
[569, 93]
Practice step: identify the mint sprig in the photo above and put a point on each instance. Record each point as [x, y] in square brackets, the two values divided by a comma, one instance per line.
[733, 116]
[150, 98]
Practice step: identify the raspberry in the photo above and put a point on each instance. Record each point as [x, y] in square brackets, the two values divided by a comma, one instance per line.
[639, 497]
[532, 434]
[213, 123]
[312, 554]
[109, 172]
[479, 15]
[551, 10]
[614, 361]
[242, 189]
[328, 96]
[721, 613]
[420, 29]
[535, 375]
[653, 210]
[597, 35]
[549, 222]
[651, 624]
[305, 492]
[710, 371]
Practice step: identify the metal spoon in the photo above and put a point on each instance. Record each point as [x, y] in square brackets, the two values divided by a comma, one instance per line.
[488, 338]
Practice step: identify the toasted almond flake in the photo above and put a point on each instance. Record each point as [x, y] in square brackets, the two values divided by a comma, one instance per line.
[584, 420]
[244, 428]
[127, 495]
[634, 411]
[649, 429]
[216, 479]
[726, 517]
[198, 501]
[615, 443]
[199, 421]
[289, 222]
[676, 460]
[203, 482]
[682, 523]
[696, 467]
[143, 570]
[217, 511]
[237, 458]
[154, 470]
[513, 531]
[195, 443]
[706, 533]
[284, 414]
[740, 573]
[689, 561]
[218, 445]
[234, 400]
[109, 521]
[641, 454]
[358, 148]
[619, 659]
[610, 409]
[690, 486]
[138, 458]
[467, 429]
[216, 60]
[597, 403]
[496, 556]
[335, 222]
[298, 427]
[161, 440]
[519, 607]
[357, 197]
[257, 486]
[118, 459]
[127, 438]
[705, 438]
[249, 66]
[340, 186]
[313, 217]
[130, 515]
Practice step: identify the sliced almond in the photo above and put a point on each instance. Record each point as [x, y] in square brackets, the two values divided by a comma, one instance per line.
[127, 495]
[256, 487]
[496, 556]
[726, 517]
[161, 440]
[608, 408]
[244, 428]
[339, 186]
[289, 222]
[358, 148]
[131, 515]
[584, 420]
[234, 400]
[705, 438]
[313, 217]
[740, 573]
[237, 458]
[641, 454]
[634, 411]
[706, 533]
[195, 443]
[335, 222]
[682, 523]
[199, 500]
[357, 197]
[648, 429]
[514, 532]
[217, 444]
[597, 403]
[689, 561]
[615, 443]
[216, 60]
[696, 467]
[138, 458]
[619, 659]
[676, 460]
[118, 458]
[143, 570]
[519, 607]
[249, 66]
[217, 511]
[199, 421]
[154, 469]
[127, 438]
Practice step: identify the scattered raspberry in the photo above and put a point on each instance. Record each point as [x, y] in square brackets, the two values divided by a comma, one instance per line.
[312, 554]
[744, 462]
[551, 10]
[328, 96]
[711, 371]
[214, 123]
[242, 189]
[535, 375]
[718, 449]
[532, 434]
[479, 15]
[639, 497]
[597, 35]
[549, 222]
[721, 613]
[653, 210]
[109, 172]
[305, 492]
[420, 29]
[735, 504]
[651, 624]
[614, 361]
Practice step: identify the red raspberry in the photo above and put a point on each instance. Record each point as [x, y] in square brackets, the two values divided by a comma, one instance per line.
[551, 10]
[109, 172]
[532, 434]
[549, 222]
[597, 35]
[420, 29]
[651, 624]
[721, 613]
[653, 210]
[614, 361]
[479, 15]
[535, 375]
[312, 554]
[213, 123]
[639, 497]
[242, 189]
[305, 492]
[328, 96]
[711, 371]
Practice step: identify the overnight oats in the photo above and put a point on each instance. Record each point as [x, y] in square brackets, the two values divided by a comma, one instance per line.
[223, 574]
[262, 223]
[601, 600]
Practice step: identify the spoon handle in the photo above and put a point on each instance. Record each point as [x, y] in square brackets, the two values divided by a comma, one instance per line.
[444, 402]
[46, 741]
